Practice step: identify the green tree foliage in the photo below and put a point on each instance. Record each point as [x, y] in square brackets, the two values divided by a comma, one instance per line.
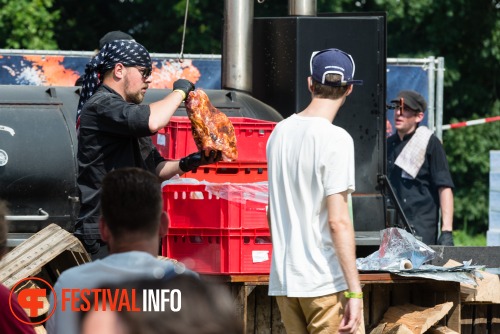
[27, 24]
[158, 25]
[468, 155]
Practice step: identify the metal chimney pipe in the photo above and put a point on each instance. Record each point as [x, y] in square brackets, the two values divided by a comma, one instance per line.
[237, 45]
[302, 7]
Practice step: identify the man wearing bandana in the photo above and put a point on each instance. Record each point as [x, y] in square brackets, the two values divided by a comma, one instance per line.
[114, 129]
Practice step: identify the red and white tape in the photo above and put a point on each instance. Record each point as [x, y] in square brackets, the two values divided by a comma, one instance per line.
[468, 123]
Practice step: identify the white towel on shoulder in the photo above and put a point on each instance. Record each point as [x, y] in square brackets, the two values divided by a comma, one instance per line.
[412, 157]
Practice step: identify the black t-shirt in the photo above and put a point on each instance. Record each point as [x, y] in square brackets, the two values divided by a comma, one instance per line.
[419, 197]
[113, 134]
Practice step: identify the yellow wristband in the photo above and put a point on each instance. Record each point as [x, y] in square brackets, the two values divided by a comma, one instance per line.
[349, 294]
[182, 93]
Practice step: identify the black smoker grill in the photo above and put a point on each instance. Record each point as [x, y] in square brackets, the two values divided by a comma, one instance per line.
[38, 168]
[38, 148]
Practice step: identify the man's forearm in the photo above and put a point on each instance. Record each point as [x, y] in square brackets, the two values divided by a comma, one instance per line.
[168, 169]
[446, 203]
[342, 233]
[343, 239]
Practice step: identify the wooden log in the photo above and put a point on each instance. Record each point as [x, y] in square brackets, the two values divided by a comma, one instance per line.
[441, 330]
[417, 319]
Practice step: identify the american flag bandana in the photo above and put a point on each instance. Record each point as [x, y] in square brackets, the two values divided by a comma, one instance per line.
[126, 52]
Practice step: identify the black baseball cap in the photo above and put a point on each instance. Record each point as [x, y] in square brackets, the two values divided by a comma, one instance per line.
[412, 99]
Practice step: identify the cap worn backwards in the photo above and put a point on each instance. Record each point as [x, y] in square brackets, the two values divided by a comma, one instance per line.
[412, 99]
[333, 61]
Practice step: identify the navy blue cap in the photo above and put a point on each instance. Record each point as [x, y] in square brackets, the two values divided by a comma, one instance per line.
[333, 61]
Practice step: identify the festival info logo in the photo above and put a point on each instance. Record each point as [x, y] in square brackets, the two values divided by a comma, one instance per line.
[33, 299]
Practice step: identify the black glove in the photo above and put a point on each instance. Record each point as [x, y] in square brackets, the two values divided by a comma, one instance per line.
[446, 239]
[184, 86]
[195, 160]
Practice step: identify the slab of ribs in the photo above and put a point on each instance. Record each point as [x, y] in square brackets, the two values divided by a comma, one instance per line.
[212, 129]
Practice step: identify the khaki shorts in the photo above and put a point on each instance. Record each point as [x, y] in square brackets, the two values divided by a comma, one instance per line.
[313, 315]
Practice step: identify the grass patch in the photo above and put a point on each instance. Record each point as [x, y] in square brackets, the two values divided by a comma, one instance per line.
[462, 238]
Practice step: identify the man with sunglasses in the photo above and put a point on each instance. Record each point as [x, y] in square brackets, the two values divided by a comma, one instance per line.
[114, 129]
[418, 171]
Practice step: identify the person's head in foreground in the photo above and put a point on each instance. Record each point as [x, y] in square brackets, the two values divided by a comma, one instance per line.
[132, 216]
[194, 307]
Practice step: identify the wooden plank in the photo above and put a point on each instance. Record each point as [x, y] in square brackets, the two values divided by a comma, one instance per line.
[366, 278]
[277, 326]
[467, 318]
[241, 292]
[495, 318]
[455, 314]
[400, 294]
[379, 302]
[437, 292]
[487, 289]
[378, 278]
[33, 254]
[367, 288]
[262, 311]
[480, 319]
[251, 305]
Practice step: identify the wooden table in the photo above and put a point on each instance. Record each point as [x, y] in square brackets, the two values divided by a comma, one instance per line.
[260, 313]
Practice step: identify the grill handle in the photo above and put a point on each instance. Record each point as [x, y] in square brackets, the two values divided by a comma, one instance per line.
[42, 215]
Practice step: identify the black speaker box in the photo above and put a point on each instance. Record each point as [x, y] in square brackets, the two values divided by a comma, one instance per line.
[282, 49]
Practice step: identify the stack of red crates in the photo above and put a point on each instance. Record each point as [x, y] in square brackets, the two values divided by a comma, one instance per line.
[209, 234]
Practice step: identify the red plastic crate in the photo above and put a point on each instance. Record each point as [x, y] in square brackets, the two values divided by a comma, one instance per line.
[192, 206]
[220, 251]
[234, 172]
[175, 141]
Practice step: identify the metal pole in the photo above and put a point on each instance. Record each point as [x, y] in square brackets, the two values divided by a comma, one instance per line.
[431, 99]
[439, 97]
[237, 45]
[302, 7]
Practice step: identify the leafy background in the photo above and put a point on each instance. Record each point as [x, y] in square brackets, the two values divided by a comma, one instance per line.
[465, 32]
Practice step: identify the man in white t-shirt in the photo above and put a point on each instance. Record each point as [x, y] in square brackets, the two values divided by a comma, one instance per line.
[132, 222]
[311, 173]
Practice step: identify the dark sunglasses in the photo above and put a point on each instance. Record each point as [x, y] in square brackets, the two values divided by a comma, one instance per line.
[401, 106]
[145, 72]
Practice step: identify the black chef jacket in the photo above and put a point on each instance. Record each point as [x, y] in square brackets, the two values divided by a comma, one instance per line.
[113, 134]
[419, 197]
